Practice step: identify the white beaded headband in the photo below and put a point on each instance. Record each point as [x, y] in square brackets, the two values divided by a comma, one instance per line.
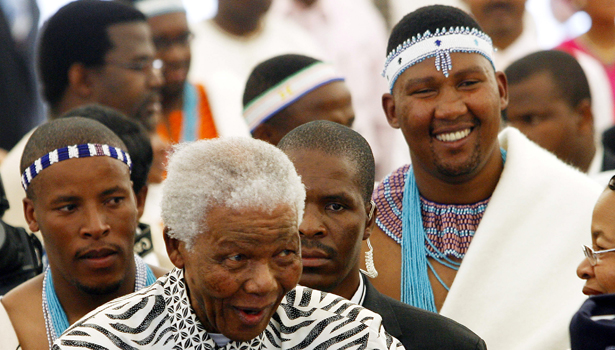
[440, 44]
[70, 152]
[287, 92]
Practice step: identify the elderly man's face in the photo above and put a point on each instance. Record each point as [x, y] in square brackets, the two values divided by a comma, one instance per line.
[240, 268]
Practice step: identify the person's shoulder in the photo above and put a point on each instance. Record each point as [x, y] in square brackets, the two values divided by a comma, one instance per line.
[25, 298]
[430, 330]
[23, 306]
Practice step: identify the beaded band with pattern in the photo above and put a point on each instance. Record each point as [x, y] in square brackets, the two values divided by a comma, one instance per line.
[439, 45]
[287, 92]
[70, 152]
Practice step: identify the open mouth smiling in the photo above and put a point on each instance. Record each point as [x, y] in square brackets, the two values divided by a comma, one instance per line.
[453, 136]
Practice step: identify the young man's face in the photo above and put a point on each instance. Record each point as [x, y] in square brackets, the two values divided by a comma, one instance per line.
[87, 214]
[172, 40]
[539, 111]
[450, 123]
[127, 81]
[335, 221]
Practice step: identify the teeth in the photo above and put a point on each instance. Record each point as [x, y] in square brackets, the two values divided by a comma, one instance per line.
[454, 136]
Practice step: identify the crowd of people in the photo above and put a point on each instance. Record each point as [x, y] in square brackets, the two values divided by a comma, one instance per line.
[283, 176]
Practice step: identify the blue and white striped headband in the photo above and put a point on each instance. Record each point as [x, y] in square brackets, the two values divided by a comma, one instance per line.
[439, 45]
[70, 152]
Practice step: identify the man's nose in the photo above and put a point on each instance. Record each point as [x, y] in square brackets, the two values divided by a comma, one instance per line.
[95, 223]
[312, 225]
[450, 104]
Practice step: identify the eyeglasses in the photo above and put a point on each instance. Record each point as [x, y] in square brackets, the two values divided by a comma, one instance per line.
[139, 66]
[163, 44]
[593, 256]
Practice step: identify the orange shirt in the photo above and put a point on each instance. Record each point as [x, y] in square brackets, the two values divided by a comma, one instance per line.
[206, 126]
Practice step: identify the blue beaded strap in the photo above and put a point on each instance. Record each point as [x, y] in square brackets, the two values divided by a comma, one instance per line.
[190, 120]
[56, 321]
[415, 286]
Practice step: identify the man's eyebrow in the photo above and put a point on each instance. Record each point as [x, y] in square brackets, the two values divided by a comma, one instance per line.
[416, 81]
[65, 199]
[112, 190]
[469, 70]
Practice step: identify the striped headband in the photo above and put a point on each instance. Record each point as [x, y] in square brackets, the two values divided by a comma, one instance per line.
[287, 92]
[70, 152]
[440, 44]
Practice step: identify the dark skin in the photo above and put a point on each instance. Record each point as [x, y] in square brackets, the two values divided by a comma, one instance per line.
[241, 17]
[76, 214]
[426, 105]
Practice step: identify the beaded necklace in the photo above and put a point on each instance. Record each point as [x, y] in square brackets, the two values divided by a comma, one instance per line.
[417, 245]
[56, 321]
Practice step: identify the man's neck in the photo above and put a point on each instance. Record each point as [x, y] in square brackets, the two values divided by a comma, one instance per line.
[77, 303]
[466, 189]
[348, 287]
[503, 40]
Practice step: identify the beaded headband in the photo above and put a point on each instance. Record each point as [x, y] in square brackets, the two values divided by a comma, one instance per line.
[440, 44]
[70, 152]
[287, 92]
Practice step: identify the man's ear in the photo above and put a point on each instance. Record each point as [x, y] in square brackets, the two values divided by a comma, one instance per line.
[264, 132]
[140, 197]
[372, 212]
[586, 117]
[173, 249]
[79, 80]
[388, 105]
[502, 82]
[30, 215]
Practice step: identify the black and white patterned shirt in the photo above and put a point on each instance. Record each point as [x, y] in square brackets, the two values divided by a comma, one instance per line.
[160, 317]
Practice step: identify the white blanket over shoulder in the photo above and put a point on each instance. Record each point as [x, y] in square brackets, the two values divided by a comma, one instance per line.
[8, 338]
[517, 287]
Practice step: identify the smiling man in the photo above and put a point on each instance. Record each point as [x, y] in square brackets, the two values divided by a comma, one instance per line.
[232, 208]
[79, 195]
[462, 231]
[337, 167]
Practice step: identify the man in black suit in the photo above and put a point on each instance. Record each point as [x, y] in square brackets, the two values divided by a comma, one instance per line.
[337, 167]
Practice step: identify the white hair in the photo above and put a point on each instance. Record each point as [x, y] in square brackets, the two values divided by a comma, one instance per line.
[235, 173]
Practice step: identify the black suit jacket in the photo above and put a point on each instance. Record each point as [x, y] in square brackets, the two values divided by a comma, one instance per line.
[417, 328]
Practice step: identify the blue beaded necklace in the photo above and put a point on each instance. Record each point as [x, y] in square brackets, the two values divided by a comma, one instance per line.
[56, 321]
[415, 286]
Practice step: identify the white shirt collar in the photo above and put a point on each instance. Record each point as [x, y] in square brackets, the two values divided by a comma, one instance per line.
[359, 295]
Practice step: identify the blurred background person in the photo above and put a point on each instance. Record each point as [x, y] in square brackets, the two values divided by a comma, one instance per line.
[227, 47]
[21, 106]
[353, 35]
[555, 110]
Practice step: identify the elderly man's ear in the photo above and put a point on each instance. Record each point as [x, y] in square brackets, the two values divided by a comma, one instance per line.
[173, 249]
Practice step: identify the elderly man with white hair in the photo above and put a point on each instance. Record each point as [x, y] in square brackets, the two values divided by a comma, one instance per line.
[231, 209]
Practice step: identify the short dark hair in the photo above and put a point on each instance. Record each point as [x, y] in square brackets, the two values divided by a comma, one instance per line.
[567, 74]
[77, 33]
[61, 133]
[336, 140]
[272, 71]
[429, 18]
[133, 135]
